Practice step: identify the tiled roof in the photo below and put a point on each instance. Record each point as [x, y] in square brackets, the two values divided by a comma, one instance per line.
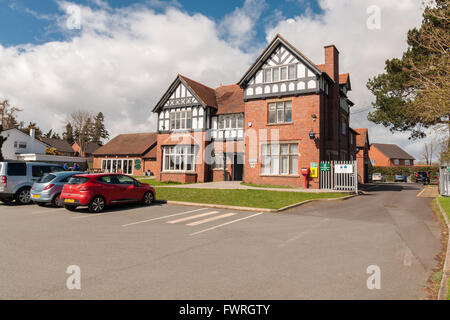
[92, 147]
[230, 99]
[59, 144]
[204, 93]
[343, 78]
[392, 151]
[136, 144]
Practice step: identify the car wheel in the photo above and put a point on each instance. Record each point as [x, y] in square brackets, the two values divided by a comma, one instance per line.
[56, 201]
[23, 196]
[148, 198]
[70, 208]
[97, 205]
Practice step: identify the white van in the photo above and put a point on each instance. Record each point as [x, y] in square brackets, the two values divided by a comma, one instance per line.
[17, 178]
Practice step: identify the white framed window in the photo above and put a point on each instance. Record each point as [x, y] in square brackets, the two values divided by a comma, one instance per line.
[373, 161]
[396, 162]
[281, 73]
[180, 119]
[179, 158]
[229, 126]
[22, 145]
[407, 162]
[280, 112]
[124, 166]
[279, 159]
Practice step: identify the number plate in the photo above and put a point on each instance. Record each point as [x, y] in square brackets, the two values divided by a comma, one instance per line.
[35, 196]
[69, 200]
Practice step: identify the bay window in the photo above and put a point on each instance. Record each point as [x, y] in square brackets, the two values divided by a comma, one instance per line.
[280, 112]
[179, 158]
[279, 159]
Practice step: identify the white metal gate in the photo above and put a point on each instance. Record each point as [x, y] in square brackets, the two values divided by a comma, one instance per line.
[444, 179]
[339, 175]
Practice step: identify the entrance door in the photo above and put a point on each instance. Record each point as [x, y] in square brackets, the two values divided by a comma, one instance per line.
[238, 166]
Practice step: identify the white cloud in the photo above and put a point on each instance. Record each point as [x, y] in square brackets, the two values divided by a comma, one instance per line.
[363, 52]
[238, 27]
[121, 63]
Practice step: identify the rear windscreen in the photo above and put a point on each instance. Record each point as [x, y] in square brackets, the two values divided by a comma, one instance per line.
[47, 178]
[78, 180]
[17, 169]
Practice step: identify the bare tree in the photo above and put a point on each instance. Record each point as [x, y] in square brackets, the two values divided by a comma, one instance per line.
[427, 153]
[8, 115]
[81, 122]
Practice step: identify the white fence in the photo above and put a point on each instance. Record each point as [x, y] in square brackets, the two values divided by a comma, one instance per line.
[339, 175]
[444, 179]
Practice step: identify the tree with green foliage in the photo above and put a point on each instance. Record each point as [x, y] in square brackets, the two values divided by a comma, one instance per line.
[99, 132]
[68, 134]
[414, 92]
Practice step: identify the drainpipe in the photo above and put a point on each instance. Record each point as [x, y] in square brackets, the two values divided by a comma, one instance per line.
[224, 166]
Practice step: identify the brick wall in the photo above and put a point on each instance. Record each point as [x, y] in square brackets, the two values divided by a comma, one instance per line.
[303, 107]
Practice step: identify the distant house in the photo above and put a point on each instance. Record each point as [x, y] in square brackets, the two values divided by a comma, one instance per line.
[63, 148]
[389, 155]
[18, 142]
[362, 155]
[131, 154]
[90, 149]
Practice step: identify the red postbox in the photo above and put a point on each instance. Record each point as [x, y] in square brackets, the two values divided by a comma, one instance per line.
[305, 173]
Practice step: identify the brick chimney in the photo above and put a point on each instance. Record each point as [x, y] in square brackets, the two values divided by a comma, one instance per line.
[332, 62]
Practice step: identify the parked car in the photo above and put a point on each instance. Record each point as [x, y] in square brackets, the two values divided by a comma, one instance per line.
[423, 177]
[400, 178]
[48, 188]
[378, 177]
[99, 190]
[17, 177]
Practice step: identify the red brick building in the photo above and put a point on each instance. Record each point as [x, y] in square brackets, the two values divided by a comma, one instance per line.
[362, 155]
[389, 155]
[285, 113]
[132, 154]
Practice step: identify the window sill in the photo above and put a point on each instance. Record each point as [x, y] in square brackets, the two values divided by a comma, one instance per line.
[280, 175]
[180, 172]
[280, 124]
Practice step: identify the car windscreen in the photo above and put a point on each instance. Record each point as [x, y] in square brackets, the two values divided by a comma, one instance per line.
[78, 180]
[47, 178]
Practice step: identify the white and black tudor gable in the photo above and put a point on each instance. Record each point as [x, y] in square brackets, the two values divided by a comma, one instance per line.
[282, 70]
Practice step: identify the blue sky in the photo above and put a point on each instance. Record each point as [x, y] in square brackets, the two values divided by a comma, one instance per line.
[30, 21]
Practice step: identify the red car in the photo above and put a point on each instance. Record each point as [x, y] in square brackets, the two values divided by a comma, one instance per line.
[99, 190]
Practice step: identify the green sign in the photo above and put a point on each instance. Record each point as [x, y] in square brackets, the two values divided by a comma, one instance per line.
[448, 169]
[137, 164]
[325, 167]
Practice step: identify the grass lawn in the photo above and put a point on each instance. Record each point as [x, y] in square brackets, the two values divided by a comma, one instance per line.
[242, 198]
[445, 203]
[266, 186]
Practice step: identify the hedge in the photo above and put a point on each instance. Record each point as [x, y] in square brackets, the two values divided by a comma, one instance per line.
[389, 172]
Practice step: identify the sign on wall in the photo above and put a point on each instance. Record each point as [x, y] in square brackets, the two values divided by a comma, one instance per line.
[343, 168]
[137, 164]
[325, 166]
[252, 162]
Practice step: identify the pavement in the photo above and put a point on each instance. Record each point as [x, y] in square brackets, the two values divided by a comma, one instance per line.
[321, 250]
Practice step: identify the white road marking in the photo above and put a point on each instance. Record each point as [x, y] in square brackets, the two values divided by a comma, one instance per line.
[420, 193]
[225, 224]
[193, 217]
[47, 211]
[196, 223]
[408, 257]
[91, 215]
[164, 217]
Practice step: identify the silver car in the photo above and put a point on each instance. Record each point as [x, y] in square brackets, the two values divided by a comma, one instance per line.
[49, 187]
